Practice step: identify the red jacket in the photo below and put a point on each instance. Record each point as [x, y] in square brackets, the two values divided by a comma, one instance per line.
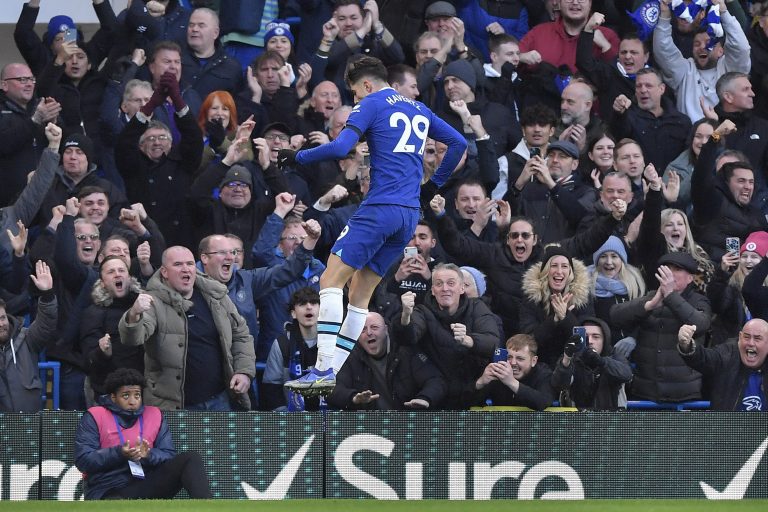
[557, 47]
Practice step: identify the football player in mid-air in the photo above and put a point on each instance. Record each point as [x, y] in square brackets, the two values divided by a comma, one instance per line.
[396, 129]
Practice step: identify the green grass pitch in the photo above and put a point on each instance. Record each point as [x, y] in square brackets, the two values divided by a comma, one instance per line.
[396, 506]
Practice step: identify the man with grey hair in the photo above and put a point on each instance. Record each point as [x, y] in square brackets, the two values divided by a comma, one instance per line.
[736, 104]
[651, 119]
[158, 172]
[457, 333]
[205, 65]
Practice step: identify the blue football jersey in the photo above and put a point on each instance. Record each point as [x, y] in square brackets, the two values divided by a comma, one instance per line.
[396, 129]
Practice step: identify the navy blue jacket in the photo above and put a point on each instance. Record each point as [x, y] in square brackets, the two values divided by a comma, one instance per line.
[273, 308]
[106, 468]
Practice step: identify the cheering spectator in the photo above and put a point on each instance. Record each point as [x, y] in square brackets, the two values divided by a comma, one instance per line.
[661, 375]
[20, 347]
[456, 333]
[187, 322]
[737, 370]
[381, 375]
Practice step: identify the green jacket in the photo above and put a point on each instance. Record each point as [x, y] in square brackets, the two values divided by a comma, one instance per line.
[163, 331]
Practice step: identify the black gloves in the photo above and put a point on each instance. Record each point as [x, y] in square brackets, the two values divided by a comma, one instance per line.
[216, 133]
[592, 359]
[572, 345]
[507, 70]
[286, 158]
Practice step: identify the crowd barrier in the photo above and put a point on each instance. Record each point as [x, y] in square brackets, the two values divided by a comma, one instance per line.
[424, 455]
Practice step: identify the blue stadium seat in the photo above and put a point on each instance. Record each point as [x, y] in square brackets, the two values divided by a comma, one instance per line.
[54, 367]
[644, 405]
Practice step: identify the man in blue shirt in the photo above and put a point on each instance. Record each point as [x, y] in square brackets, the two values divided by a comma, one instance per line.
[396, 129]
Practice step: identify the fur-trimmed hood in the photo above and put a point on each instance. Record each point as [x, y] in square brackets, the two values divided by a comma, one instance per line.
[538, 291]
[101, 296]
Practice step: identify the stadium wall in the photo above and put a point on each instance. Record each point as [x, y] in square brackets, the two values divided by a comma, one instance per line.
[454, 455]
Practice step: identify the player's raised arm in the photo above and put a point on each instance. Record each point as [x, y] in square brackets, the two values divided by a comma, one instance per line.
[335, 150]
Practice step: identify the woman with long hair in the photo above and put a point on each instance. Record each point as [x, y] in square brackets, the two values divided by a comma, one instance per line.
[683, 164]
[556, 296]
[598, 160]
[666, 230]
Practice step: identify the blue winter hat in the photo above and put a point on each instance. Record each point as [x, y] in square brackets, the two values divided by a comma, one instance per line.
[479, 278]
[278, 27]
[645, 18]
[613, 244]
[60, 23]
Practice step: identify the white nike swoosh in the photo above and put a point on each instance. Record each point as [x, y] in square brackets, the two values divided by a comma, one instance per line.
[282, 482]
[737, 487]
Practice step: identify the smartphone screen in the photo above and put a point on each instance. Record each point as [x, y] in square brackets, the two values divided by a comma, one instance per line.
[70, 36]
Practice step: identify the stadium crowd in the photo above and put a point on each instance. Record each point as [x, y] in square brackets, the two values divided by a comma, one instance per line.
[603, 239]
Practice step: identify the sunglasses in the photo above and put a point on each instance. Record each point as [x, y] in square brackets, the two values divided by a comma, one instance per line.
[514, 235]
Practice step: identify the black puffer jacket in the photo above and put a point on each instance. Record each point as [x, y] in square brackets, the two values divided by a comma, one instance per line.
[80, 103]
[596, 389]
[535, 391]
[219, 73]
[661, 138]
[661, 375]
[430, 329]
[410, 374]
[556, 212]
[101, 318]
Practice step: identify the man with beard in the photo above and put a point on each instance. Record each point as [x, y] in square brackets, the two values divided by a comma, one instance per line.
[519, 380]
[547, 192]
[383, 375]
[695, 77]
[723, 203]
[577, 124]
[736, 371]
[20, 348]
[555, 42]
